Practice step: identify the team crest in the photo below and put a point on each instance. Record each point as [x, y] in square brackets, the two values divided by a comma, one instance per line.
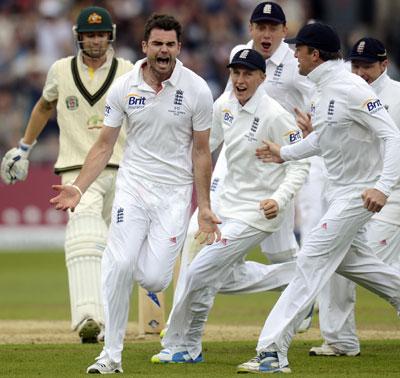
[94, 18]
[178, 97]
[361, 47]
[267, 9]
[72, 102]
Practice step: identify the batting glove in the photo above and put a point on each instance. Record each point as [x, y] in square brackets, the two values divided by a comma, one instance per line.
[15, 163]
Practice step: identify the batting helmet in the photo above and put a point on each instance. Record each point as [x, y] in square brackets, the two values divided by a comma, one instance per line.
[94, 19]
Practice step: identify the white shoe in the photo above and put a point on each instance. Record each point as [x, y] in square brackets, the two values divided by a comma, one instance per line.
[104, 366]
[88, 331]
[265, 362]
[166, 356]
[331, 351]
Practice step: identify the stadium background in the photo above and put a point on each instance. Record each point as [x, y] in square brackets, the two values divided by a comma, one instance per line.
[35, 33]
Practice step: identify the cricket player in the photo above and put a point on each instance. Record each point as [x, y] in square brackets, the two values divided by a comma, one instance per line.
[349, 123]
[337, 320]
[166, 148]
[252, 204]
[267, 28]
[76, 87]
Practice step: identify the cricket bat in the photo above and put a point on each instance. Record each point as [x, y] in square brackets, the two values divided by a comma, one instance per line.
[152, 308]
[151, 312]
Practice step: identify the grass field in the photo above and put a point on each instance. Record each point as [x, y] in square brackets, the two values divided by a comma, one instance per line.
[33, 286]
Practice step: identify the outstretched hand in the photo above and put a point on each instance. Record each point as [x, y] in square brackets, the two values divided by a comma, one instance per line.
[68, 197]
[269, 153]
[208, 230]
[303, 121]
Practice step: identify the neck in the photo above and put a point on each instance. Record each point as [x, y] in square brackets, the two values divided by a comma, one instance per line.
[154, 78]
[94, 63]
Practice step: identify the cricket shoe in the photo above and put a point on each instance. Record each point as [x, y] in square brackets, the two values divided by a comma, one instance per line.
[168, 357]
[306, 323]
[265, 362]
[104, 366]
[330, 351]
[88, 331]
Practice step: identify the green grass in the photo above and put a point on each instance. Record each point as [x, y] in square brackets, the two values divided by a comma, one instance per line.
[34, 286]
[379, 358]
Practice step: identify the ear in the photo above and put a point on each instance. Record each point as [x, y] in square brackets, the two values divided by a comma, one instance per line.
[384, 65]
[144, 47]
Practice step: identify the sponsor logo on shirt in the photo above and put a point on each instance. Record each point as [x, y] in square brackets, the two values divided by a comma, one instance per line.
[294, 136]
[331, 107]
[373, 105]
[312, 109]
[107, 110]
[228, 117]
[136, 101]
[72, 102]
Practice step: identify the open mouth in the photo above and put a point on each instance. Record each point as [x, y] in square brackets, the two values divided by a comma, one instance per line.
[240, 90]
[163, 61]
[266, 45]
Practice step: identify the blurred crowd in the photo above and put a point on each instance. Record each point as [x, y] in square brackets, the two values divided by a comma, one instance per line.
[35, 33]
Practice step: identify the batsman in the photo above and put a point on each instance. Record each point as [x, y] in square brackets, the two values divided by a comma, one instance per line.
[76, 87]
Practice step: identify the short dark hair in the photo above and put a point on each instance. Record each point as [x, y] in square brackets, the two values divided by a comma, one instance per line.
[164, 22]
[326, 55]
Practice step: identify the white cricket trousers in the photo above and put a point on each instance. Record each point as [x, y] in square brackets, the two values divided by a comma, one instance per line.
[215, 266]
[337, 299]
[337, 243]
[147, 231]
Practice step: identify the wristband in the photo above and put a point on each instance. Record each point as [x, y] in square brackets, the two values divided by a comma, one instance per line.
[77, 188]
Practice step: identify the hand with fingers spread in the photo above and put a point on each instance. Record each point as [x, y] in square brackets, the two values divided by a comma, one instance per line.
[374, 200]
[303, 121]
[208, 230]
[68, 197]
[269, 152]
[270, 208]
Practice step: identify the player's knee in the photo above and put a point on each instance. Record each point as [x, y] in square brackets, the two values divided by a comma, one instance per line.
[155, 282]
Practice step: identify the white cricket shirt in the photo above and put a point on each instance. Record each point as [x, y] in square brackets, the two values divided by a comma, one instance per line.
[349, 123]
[159, 125]
[388, 91]
[248, 179]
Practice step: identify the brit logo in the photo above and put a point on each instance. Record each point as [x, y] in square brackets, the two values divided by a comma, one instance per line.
[294, 136]
[136, 101]
[331, 107]
[178, 97]
[373, 105]
[324, 226]
[228, 117]
[278, 71]
[120, 215]
[72, 102]
[173, 240]
[383, 242]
